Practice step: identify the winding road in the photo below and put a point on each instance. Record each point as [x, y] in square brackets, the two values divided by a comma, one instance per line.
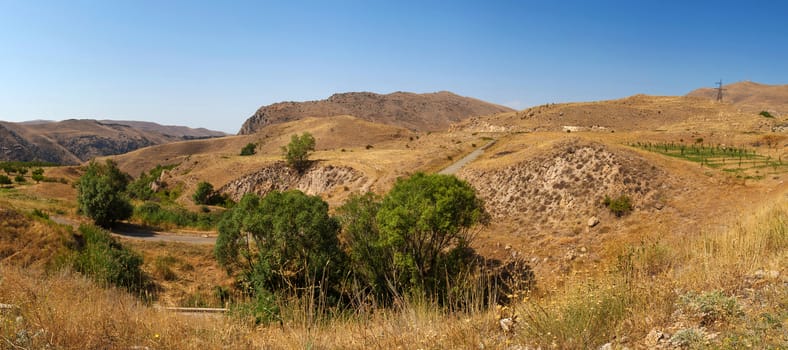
[136, 232]
[456, 166]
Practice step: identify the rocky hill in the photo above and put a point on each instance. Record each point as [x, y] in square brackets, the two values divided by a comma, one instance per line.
[565, 183]
[750, 96]
[74, 141]
[420, 112]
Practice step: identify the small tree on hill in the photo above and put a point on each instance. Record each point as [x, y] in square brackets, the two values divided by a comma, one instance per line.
[249, 149]
[38, 175]
[204, 193]
[101, 193]
[297, 152]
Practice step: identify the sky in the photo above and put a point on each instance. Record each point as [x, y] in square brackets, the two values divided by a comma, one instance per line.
[212, 64]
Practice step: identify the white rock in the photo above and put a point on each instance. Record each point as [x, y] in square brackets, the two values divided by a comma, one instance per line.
[506, 324]
[606, 346]
[593, 221]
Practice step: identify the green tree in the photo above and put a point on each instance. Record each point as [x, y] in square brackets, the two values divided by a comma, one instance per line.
[101, 193]
[38, 175]
[361, 238]
[297, 152]
[5, 180]
[425, 226]
[19, 178]
[204, 193]
[249, 149]
[283, 242]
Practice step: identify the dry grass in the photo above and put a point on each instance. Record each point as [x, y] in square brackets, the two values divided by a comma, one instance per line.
[642, 289]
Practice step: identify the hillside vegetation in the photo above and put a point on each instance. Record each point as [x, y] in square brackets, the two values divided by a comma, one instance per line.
[644, 222]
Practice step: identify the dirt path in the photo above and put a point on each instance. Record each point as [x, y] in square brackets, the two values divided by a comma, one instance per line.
[135, 232]
[454, 168]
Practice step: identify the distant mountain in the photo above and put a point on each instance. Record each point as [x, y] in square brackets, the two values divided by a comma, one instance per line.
[750, 96]
[74, 141]
[420, 112]
[170, 130]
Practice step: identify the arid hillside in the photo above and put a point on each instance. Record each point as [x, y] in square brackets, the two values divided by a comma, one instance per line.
[418, 112]
[750, 96]
[634, 113]
[74, 141]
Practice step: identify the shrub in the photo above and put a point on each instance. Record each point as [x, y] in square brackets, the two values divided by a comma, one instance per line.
[284, 242]
[766, 114]
[5, 180]
[38, 175]
[153, 214]
[204, 193]
[297, 152]
[712, 306]
[425, 225]
[620, 205]
[19, 179]
[101, 194]
[141, 188]
[249, 149]
[106, 261]
[361, 238]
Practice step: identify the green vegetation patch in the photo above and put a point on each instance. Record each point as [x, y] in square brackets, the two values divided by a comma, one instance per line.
[742, 162]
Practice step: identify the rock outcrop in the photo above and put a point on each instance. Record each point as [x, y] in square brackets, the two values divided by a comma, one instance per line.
[317, 180]
[421, 112]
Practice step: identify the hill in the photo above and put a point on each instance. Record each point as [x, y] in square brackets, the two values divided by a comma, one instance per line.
[74, 141]
[750, 96]
[420, 112]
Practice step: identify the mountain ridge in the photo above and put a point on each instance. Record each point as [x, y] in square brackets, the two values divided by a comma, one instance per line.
[420, 112]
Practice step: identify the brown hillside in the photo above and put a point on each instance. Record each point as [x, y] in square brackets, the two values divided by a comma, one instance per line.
[421, 112]
[750, 96]
[635, 113]
[74, 141]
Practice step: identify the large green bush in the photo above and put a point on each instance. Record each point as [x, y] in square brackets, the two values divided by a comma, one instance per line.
[103, 259]
[101, 194]
[416, 240]
[249, 149]
[285, 242]
[153, 214]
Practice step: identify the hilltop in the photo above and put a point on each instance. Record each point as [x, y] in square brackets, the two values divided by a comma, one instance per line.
[74, 141]
[750, 96]
[418, 112]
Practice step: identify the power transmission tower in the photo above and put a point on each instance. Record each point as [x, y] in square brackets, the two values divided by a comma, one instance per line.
[719, 90]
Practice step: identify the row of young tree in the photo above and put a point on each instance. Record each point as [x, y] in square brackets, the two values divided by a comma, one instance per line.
[415, 241]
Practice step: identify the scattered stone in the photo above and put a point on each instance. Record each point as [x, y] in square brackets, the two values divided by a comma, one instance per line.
[654, 337]
[508, 247]
[570, 255]
[583, 249]
[659, 205]
[593, 221]
[764, 274]
[507, 324]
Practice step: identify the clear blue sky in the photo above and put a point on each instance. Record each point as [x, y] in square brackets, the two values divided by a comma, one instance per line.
[212, 64]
